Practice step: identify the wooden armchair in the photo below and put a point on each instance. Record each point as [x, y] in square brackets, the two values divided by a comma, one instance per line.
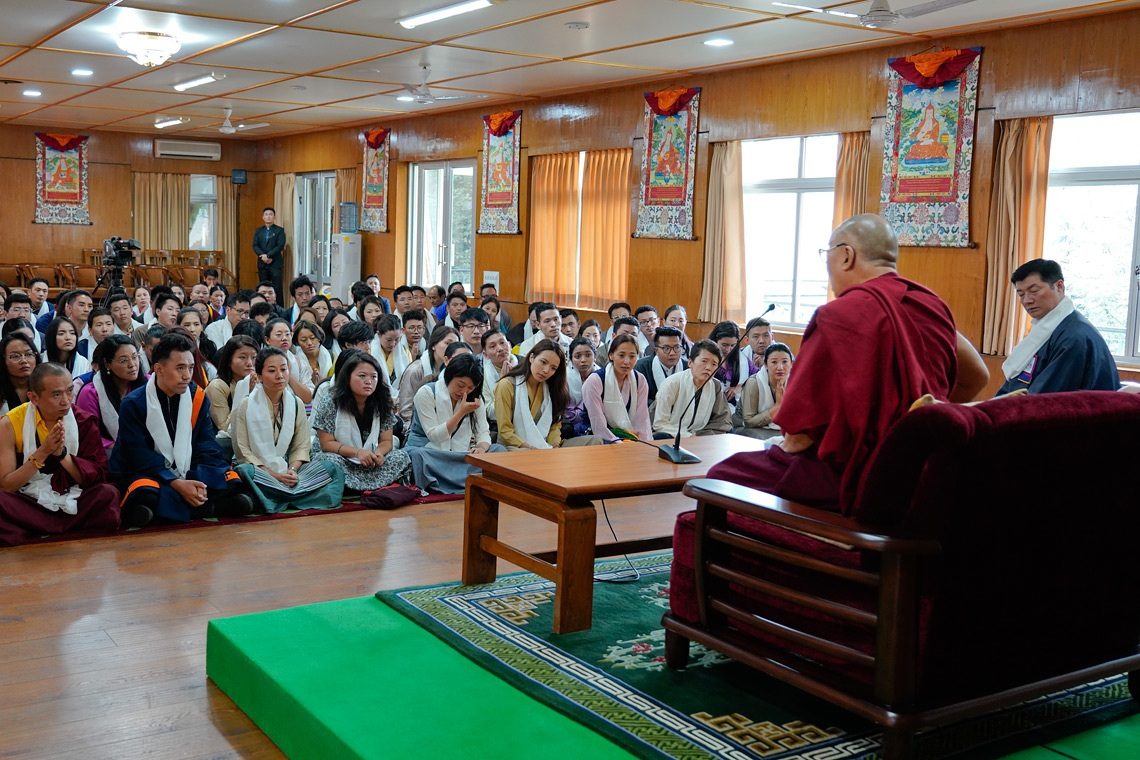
[150, 275]
[186, 275]
[989, 558]
[12, 275]
[84, 276]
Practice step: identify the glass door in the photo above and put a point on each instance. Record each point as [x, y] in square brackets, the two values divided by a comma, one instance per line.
[441, 248]
[316, 194]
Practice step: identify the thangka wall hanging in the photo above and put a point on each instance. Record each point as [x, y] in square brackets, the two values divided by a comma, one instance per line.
[501, 141]
[374, 194]
[929, 147]
[668, 166]
[61, 179]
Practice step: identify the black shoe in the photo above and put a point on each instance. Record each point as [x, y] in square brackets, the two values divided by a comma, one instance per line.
[238, 505]
[135, 515]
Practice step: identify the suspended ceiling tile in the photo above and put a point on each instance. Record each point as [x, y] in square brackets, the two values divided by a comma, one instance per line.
[387, 101]
[242, 109]
[560, 75]
[9, 110]
[262, 11]
[52, 92]
[300, 50]
[979, 11]
[100, 33]
[116, 97]
[54, 66]
[314, 90]
[164, 79]
[616, 24]
[74, 117]
[759, 40]
[326, 116]
[446, 63]
[380, 18]
[26, 22]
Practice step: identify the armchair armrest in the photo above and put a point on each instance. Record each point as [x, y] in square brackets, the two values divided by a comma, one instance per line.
[767, 508]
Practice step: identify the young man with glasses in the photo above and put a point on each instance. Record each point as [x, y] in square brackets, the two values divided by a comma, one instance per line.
[237, 308]
[472, 324]
[667, 359]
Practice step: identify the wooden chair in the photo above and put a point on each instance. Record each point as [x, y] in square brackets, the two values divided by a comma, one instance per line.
[150, 275]
[188, 256]
[47, 271]
[12, 275]
[228, 278]
[186, 275]
[988, 559]
[84, 276]
[91, 256]
[153, 257]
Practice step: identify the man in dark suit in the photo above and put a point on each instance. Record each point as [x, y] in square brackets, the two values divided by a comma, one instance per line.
[269, 245]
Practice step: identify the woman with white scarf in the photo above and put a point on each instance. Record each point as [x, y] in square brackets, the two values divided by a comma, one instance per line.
[764, 392]
[279, 334]
[425, 368]
[386, 348]
[234, 382]
[449, 422]
[617, 398]
[354, 426]
[531, 401]
[312, 356]
[53, 465]
[119, 373]
[271, 438]
[736, 368]
[61, 347]
[709, 414]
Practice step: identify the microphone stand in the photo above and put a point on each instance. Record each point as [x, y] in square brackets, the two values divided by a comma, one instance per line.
[675, 453]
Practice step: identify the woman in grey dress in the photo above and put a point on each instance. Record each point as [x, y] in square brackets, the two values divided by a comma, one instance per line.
[354, 426]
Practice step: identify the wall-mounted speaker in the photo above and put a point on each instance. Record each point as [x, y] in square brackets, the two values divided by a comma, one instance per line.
[237, 176]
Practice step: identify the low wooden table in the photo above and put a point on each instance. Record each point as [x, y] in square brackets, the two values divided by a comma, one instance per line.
[560, 485]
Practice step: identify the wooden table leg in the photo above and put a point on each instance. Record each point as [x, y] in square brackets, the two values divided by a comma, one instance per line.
[574, 591]
[480, 518]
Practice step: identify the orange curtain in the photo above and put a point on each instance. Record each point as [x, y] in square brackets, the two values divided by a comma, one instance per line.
[723, 289]
[161, 210]
[1017, 223]
[851, 175]
[552, 267]
[603, 269]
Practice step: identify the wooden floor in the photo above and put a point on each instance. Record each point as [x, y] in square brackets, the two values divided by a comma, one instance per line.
[103, 641]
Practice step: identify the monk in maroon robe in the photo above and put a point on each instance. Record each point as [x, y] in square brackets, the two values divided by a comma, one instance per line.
[55, 480]
[866, 356]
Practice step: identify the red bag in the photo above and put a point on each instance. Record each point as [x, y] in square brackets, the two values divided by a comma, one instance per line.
[389, 497]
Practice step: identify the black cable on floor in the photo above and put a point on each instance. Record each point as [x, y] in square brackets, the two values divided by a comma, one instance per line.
[636, 573]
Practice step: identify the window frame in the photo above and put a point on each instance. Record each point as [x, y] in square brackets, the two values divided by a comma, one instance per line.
[208, 200]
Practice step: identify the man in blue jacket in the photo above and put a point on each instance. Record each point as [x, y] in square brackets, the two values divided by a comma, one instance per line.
[269, 245]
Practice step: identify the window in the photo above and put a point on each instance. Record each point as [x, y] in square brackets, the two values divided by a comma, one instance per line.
[203, 212]
[1090, 220]
[789, 200]
[441, 247]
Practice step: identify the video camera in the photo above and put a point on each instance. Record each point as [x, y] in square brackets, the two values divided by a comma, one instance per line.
[118, 252]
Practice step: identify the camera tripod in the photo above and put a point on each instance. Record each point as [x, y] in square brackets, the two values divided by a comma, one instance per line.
[112, 281]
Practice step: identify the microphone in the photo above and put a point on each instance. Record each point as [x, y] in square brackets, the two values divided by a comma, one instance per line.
[675, 453]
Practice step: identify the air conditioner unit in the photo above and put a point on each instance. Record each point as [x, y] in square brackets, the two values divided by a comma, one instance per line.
[204, 151]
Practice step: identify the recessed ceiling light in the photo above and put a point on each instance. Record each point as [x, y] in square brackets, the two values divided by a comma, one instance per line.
[163, 123]
[81, 72]
[718, 42]
[411, 22]
[406, 98]
[32, 93]
[199, 81]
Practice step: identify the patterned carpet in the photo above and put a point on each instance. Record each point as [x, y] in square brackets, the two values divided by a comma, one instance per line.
[613, 678]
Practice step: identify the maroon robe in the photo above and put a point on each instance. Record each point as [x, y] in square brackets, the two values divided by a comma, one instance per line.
[865, 358]
[22, 519]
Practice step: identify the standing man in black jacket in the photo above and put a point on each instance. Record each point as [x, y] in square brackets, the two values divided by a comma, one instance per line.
[269, 245]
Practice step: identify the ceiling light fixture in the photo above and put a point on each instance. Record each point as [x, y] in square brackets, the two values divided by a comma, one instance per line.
[406, 98]
[842, 14]
[161, 123]
[204, 79]
[718, 42]
[81, 72]
[411, 22]
[32, 93]
[149, 49]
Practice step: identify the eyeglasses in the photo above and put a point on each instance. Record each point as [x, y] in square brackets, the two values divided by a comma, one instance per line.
[670, 349]
[474, 326]
[240, 312]
[647, 321]
[127, 361]
[29, 355]
[824, 251]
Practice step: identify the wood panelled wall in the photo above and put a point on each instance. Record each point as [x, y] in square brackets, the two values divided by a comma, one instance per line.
[1071, 66]
[112, 157]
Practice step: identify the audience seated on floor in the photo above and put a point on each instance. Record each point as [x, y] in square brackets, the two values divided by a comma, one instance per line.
[890, 339]
[647, 323]
[531, 399]
[736, 368]
[616, 311]
[354, 423]
[473, 323]
[235, 381]
[622, 326]
[166, 459]
[763, 393]
[570, 323]
[100, 324]
[456, 303]
[53, 463]
[709, 415]
[428, 366]
[206, 353]
[272, 440]
[549, 328]
[313, 359]
[279, 334]
[60, 346]
[119, 373]
[526, 329]
[591, 330]
[119, 305]
[237, 308]
[617, 397]
[498, 360]
[757, 338]
[385, 347]
[676, 317]
[414, 340]
[1063, 351]
[668, 358]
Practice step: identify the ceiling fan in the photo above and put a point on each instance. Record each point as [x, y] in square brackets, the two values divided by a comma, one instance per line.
[228, 128]
[880, 13]
[421, 93]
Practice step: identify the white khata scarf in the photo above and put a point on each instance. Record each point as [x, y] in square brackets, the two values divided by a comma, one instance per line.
[616, 408]
[273, 450]
[659, 373]
[685, 392]
[178, 452]
[444, 408]
[107, 411]
[1022, 354]
[347, 431]
[532, 431]
[408, 347]
[425, 362]
[491, 379]
[574, 383]
[324, 363]
[765, 398]
[238, 392]
[39, 487]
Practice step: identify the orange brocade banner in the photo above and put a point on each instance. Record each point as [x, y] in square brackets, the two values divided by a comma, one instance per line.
[61, 179]
[374, 193]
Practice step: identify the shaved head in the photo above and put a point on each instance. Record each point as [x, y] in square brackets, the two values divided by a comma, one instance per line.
[872, 236]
